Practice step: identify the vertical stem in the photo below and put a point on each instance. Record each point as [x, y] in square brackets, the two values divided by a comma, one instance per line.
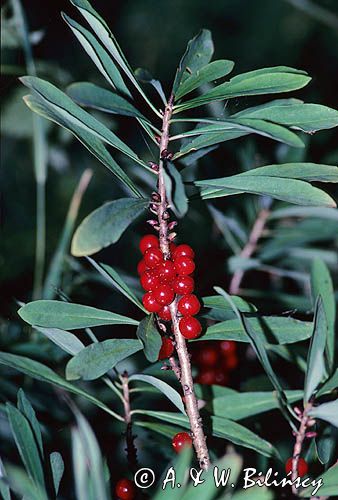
[40, 239]
[249, 248]
[131, 449]
[186, 380]
[304, 424]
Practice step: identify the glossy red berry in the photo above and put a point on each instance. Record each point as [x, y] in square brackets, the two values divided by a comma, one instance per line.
[166, 271]
[125, 489]
[149, 280]
[172, 248]
[227, 347]
[189, 305]
[148, 241]
[302, 466]
[230, 362]
[167, 348]
[153, 257]
[184, 266]
[150, 302]
[183, 285]
[183, 251]
[164, 313]
[190, 327]
[180, 441]
[164, 294]
[141, 267]
[206, 377]
[207, 356]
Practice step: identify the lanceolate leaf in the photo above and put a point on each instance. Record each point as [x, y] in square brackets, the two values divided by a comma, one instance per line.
[165, 388]
[198, 53]
[329, 484]
[306, 117]
[26, 444]
[39, 371]
[303, 171]
[208, 73]
[27, 410]
[99, 56]
[57, 466]
[148, 334]
[97, 359]
[90, 141]
[266, 81]
[60, 104]
[282, 330]
[64, 315]
[105, 225]
[65, 340]
[92, 96]
[330, 385]
[175, 190]
[327, 412]
[322, 285]
[316, 362]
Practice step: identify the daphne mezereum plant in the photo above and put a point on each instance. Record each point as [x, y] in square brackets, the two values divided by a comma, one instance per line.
[180, 133]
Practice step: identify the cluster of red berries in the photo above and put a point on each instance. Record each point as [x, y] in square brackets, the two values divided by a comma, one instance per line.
[215, 361]
[302, 466]
[163, 280]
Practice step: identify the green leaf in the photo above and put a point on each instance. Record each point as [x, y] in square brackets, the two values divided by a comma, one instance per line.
[97, 359]
[165, 430]
[327, 412]
[165, 388]
[175, 190]
[65, 340]
[81, 474]
[148, 334]
[198, 54]
[315, 362]
[321, 212]
[57, 467]
[329, 484]
[208, 73]
[105, 225]
[168, 416]
[266, 81]
[92, 96]
[26, 444]
[72, 115]
[181, 465]
[305, 117]
[330, 385]
[23, 485]
[4, 488]
[205, 140]
[290, 190]
[276, 329]
[41, 372]
[304, 171]
[254, 493]
[64, 315]
[27, 410]
[90, 141]
[116, 281]
[322, 285]
[98, 54]
[246, 404]
[218, 302]
[240, 435]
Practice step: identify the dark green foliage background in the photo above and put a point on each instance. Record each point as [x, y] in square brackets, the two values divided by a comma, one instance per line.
[153, 34]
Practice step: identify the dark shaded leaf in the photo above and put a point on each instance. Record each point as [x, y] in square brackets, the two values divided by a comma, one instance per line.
[148, 334]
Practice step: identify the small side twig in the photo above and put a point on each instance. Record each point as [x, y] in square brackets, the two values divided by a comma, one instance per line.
[175, 368]
[249, 248]
[131, 448]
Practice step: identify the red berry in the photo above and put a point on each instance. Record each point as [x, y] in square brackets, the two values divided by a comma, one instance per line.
[184, 266]
[183, 285]
[207, 356]
[183, 251]
[230, 362]
[180, 441]
[206, 377]
[149, 280]
[302, 466]
[190, 327]
[227, 347]
[167, 348]
[164, 294]
[148, 241]
[221, 377]
[153, 257]
[150, 302]
[125, 489]
[189, 305]
[141, 267]
[164, 313]
[167, 271]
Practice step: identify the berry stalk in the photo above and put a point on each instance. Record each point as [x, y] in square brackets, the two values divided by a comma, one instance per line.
[305, 422]
[186, 380]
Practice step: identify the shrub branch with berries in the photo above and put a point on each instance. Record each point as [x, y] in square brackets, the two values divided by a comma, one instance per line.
[170, 334]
